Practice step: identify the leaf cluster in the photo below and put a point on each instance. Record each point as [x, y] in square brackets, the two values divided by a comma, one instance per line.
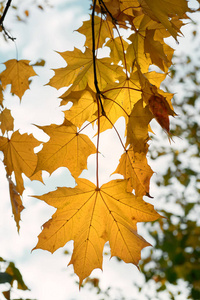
[100, 90]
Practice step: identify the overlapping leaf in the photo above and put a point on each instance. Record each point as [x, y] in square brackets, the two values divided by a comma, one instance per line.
[83, 109]
[163, 10]
[79, 71]
[19, 156]
[66, 148]
[16, 202]
[6, 120]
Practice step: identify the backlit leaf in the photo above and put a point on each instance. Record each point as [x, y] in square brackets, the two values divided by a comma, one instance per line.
[91, 217]
[17, 74]
[66, 148]
[7, 121]
[19, 156]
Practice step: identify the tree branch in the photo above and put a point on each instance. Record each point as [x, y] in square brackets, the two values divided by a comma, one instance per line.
[2, 20]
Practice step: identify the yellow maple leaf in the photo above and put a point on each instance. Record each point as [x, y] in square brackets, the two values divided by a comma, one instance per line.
[66, 148]
[119, 99]
[19, 156]
[102, 31]
[92, 216]
[156, 51]
[79, 71]
[7, 121]
[135, 51]
[137, 127]
[117, 47]
[135, 169]
[83, 109]
[162, 11]
[133, 163]
[17, 74]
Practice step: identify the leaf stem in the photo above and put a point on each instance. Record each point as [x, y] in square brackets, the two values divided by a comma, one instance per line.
[117, 133]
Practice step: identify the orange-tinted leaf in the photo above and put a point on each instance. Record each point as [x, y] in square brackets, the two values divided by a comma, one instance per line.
[7, 121]
[66, 148]
[92, 216]
[161, 110]
[17, 74]
[19, 156]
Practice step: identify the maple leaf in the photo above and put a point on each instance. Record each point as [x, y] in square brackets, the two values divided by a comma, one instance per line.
[66, 148]
[7, 121]
[133, 163]
[84, 107]
[17, 74]
[156, 50]
[134, 167]
[161, 110]
[79, 71]
[119, 99]
[159, 101]
[135, 51]
[16, 202]
[92, 216]
[163, 10]
[117, 47]
[103, 30]
[19, 156]
[137, 128]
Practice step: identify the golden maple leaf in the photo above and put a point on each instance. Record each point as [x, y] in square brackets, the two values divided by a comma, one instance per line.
[66, 148]
[162, 11]
[17, 74]
[103, 31]
[7, 121]
[92, 216]
[79, 71]
[134, 167]
[119, 99]
[83, 109]
[19, 156]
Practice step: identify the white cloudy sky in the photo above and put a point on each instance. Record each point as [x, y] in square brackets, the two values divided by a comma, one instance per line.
[47, 275]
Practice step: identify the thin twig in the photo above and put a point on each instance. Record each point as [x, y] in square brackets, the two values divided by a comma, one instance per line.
[2, 20]
[94, 61]
[5, 12]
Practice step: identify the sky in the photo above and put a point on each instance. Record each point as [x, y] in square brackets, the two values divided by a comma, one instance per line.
[46, 33]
